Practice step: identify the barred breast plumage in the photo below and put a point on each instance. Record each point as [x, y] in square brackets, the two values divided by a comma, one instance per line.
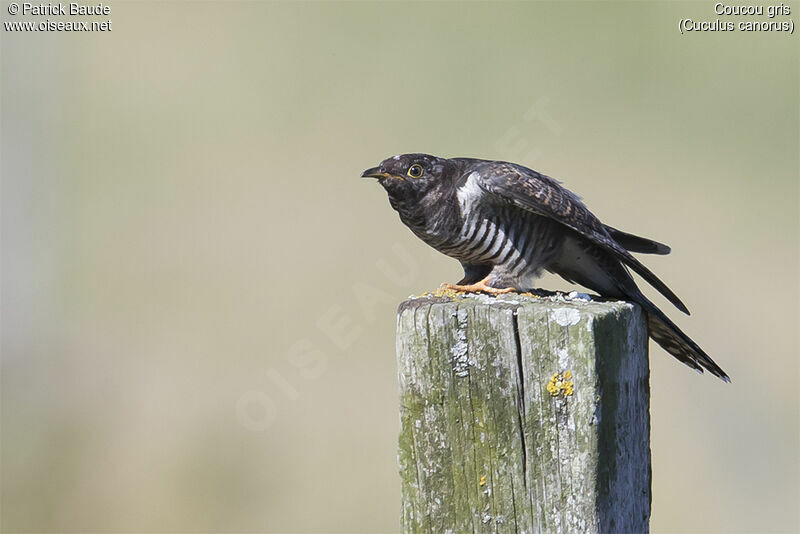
[514, 243]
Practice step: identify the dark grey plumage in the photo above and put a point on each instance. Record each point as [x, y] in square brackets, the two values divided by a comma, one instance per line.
[505, 223]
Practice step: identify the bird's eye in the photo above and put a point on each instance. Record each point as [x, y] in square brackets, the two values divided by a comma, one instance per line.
[415, 171]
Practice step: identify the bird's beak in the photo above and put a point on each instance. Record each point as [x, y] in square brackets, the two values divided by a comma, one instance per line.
[375, 172]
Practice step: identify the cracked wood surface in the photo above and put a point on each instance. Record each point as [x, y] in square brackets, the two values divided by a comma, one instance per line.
[523, 415]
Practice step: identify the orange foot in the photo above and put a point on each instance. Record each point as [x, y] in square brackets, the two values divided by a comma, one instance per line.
[478, 287]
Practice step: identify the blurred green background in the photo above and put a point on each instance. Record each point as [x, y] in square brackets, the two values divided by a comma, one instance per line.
[199, 292]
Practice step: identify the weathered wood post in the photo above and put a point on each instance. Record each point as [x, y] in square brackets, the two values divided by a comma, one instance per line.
[523, 415]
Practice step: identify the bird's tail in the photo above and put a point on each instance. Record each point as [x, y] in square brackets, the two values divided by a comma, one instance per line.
[673, 340]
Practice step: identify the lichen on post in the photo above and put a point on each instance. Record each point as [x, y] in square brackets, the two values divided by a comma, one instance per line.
[523, 414]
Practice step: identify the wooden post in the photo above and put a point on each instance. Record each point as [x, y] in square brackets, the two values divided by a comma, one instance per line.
[523, 415]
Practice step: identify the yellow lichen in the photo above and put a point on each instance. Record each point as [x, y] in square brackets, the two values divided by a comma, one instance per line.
[446, 292]
[561, 384]
[483, 481]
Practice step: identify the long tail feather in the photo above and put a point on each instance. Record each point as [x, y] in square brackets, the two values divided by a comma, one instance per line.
[673, 340]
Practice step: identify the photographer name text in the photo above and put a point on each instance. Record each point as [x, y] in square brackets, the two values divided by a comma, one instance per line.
[71, 9]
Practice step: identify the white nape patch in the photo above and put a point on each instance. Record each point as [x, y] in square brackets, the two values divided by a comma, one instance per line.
[469, 192]
[396, 158]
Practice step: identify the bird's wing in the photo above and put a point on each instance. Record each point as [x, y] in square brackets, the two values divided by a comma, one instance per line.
[635, 243]
[542, 195]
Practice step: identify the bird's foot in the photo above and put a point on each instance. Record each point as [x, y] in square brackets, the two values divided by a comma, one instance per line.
[477, 287]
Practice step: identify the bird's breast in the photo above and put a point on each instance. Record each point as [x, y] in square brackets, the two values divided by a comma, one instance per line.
[513, 241]
[484, 238]
[477, 232]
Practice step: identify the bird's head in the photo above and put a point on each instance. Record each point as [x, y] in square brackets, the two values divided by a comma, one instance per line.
[409, 177]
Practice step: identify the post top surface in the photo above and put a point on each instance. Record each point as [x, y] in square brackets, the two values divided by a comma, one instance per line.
[585, 304]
